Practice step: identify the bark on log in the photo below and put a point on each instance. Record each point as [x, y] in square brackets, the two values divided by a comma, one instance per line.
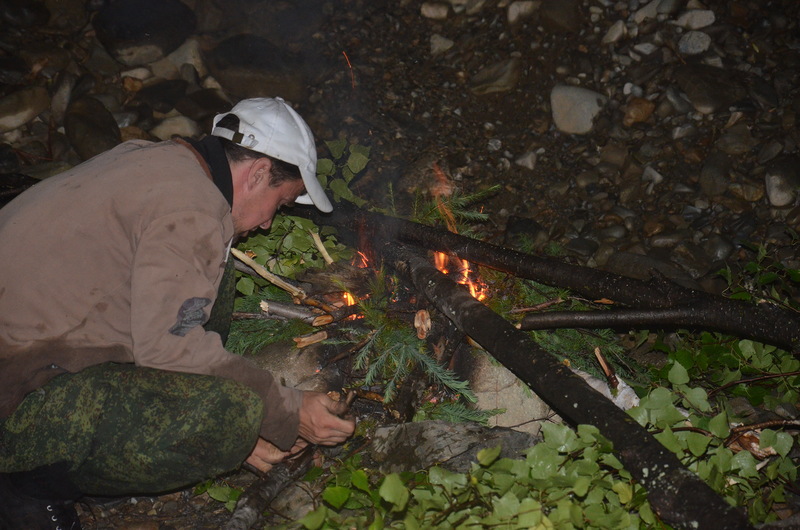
[760, 322]
[677, 495]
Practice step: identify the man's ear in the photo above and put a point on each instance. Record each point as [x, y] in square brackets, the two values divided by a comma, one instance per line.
[260, 172]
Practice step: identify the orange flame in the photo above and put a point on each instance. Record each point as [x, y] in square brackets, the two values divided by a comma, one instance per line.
[360, 260]
[348, 299]
[476, 287]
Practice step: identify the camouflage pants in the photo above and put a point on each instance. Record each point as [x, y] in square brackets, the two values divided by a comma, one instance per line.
[125, 430]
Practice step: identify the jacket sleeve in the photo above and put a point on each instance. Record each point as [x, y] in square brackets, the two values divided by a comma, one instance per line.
[177, 266]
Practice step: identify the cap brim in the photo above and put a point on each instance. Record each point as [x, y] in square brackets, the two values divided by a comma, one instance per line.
[315, 194]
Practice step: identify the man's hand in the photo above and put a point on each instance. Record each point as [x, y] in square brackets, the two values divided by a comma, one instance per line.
[320, 420]
[265, 454]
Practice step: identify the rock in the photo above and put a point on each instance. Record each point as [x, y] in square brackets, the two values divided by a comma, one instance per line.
[12, 70]
[90, 127]
[454, 446]
[782, 181]
[24, 13]
[696, 19]
[643, 268]
[22, 106]
[497, 388]
[500, 77]
[521, 9]
[249, 66]
[67, 15]
[615, 32]
[637, 110]
[694, 43]
[574, 108]
[434, 10]
[162, 96]
[176, 126]
[137, 32]
[714, 176]
[440, 44]
[564, 15]
[736, 140]
[708, 88]
[647, 11]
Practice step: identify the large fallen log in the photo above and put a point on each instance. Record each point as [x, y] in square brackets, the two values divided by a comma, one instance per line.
[761, 322]
[677, 495]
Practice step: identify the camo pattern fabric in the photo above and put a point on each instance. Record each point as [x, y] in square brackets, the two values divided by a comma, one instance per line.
[128, 430]
[220, 318]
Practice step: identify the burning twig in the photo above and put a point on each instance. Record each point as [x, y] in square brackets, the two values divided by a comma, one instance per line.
[350, 66]
[272, 309]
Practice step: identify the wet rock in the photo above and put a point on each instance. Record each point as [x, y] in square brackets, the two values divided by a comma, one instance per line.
[12, 70]
[748, 191]
[440, 44]
[419, 445]
[202, 105]
[616, 32]
[736, 140]
[499, 77]
[695, 19]
[638, 110]
[575, 109]
[162, 96]
[714, 176]
[67, 15]
[176, 126]
[782, 181]
[251, 66]
[521, 9]
[90, 127]
[24, 13]
[694, 43]
[564, 15]
[708, 88]
[137, 32]
[9, 161]
[20, 107]
[434, 10]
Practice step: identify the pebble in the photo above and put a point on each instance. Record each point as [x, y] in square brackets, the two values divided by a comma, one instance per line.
[694, 43]
[696, 19]
[440, 44]
[782, 181]
[176, 126]
[435, 11]
[575, 108]
[500, 77]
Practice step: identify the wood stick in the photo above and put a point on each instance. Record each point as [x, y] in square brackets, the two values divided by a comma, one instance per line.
[322, 250]
[264, 273]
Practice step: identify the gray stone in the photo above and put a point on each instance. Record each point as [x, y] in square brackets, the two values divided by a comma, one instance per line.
[575, 108]
[137, 32]
[440, 44]
[20, 107]
[696, 19]
[694, 43]
[736, 140]
[708, 88]
[615, 32]
[250, 66]
[782, 180]
[176, 126]
[564, 15]
[419, 445]
[499, 77]
[714, 176]
[90, 127]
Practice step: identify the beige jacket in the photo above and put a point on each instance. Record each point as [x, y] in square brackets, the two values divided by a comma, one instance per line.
[111, 261]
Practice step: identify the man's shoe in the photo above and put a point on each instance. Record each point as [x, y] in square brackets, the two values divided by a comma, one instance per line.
[21, 512]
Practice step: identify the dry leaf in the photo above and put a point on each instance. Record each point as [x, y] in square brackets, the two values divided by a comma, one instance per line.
[422, 321]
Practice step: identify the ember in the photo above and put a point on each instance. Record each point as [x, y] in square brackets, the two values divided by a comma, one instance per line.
[476, 287]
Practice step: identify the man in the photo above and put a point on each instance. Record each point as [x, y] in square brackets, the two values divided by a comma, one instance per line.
[109, 383]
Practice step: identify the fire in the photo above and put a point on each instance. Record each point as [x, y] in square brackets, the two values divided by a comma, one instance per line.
[476, 288]
[360, 260]
[348, 299]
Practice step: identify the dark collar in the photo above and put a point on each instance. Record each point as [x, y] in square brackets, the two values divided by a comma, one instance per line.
[210, 148]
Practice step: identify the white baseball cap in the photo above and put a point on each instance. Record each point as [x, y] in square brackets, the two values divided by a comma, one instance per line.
[272, 127]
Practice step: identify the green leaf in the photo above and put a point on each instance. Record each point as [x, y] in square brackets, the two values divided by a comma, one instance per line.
[624, 490]
[678, 374]
[315, 518]
[697, 443]
[719, 425]
[581, 486]
[336, 496]
[394, 491]
[245, 285]
[360, 480]
[658, 398]
[698, 398]
[325, 167]
[668, 439]
[336, 147]
[489, 455]
[356, 162]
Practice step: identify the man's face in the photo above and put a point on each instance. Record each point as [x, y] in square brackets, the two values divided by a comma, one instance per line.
[256, 206]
